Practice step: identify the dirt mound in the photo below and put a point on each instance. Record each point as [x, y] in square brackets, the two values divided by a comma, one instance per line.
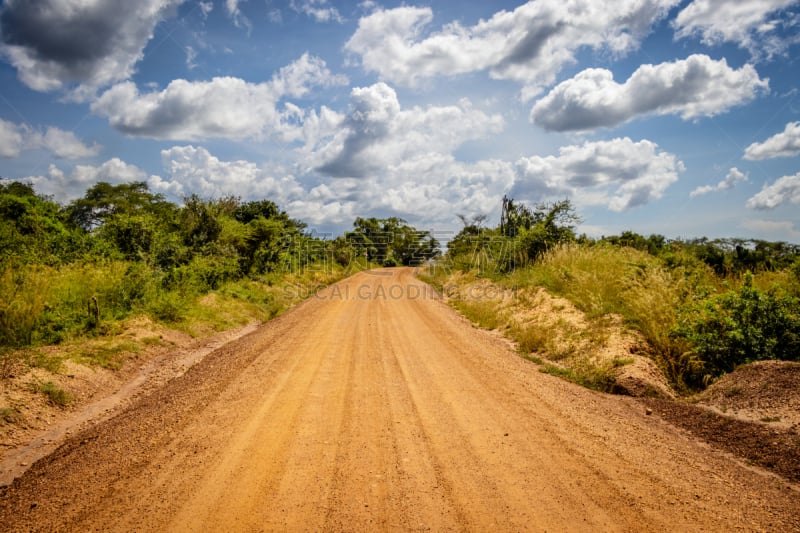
[641, 378]
[765, 445]
[753, 412]
[767, 392]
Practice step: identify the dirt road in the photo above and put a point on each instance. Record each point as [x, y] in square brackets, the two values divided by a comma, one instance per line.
[373, 406]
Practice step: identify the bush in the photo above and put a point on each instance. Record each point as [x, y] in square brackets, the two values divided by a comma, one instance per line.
[741, 327]
[167, 307]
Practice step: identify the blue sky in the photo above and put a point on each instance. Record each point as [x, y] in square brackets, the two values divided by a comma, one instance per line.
[659, 116]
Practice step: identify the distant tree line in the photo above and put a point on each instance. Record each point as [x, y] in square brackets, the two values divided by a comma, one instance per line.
[525, 234]
[122, 250]
[229, 237]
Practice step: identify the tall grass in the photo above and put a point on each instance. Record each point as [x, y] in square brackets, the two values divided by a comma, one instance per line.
[687, 314]
[606, 279]
[42, 305]
[22, 303]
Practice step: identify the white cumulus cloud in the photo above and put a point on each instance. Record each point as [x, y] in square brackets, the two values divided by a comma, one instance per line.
[784, 144]
[530, 44]
[11, 139]
[224, 107]
[751, 24]
[194, 170]
[785, 190]
[692, 87]
[377, 134]
[730, 181]
[68, 186]
[14, 138]
[619, 173]
[66, 145]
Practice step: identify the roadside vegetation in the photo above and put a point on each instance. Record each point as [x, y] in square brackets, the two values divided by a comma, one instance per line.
[77, 272]
[701, 307]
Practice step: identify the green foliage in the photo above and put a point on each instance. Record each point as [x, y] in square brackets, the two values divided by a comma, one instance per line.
[77, 270]
[551, 225]
[741, 326]
[725, 256]
[53, 364]
[482, 249]
[111, 354]
[391, 241]
[672, 291]
[167, 307]
[199, 222]
[525, 234]
[31, 227]
[103, 201]
[131, 235]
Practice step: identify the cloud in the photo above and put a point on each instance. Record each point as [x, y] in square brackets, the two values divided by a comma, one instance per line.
[319, 10]
[692, 87]
[785, 144]
[750, 24]
[194, 170]
[187, 170]
[66, 145]
[733, 177]
[378, 134]
[67, 187]
[784, 190]
[236, 15]
[619, 173]
[396, 161]
[430, 188]
[191, 55]
[427, 188]
[77, 45]
[529, 45]
[224, 107]
[205, 8]
[14, 138]
[11, 139]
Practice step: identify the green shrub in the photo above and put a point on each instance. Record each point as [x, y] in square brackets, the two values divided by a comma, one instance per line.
[167, 307]
[742, 326]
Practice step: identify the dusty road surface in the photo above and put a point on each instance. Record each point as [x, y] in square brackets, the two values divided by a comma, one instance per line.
[373, 406]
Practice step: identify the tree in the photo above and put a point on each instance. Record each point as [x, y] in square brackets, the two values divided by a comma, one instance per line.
[199, 223]
[391, 241]
[515, 217]
[31, 226]
[104, 200]
[550, 224]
